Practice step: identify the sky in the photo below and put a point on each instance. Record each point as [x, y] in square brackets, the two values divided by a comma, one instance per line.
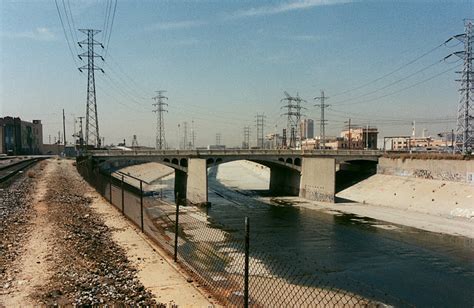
[222, 62]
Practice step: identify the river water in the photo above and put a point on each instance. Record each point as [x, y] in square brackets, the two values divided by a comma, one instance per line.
[408, 266]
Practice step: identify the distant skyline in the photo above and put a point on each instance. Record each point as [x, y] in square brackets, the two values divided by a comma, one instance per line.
[222, 62]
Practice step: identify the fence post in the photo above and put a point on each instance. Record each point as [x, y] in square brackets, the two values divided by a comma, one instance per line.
[141, 203]
[123, 199]
[246, 274]
[110, 187]
[176, 229]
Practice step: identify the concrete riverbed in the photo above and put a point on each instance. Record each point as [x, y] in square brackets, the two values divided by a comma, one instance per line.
[378, 244]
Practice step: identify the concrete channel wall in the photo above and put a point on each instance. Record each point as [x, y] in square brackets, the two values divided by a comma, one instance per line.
[433, 169]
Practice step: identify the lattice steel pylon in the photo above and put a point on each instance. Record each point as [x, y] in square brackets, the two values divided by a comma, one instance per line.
[246, 143]
[260, 119]
[160, 124]
[134, 142]
[465, 121]
[322, 98]
[293, 106]
[92, 136]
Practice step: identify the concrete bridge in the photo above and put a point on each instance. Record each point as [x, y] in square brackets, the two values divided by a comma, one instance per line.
[309, 174]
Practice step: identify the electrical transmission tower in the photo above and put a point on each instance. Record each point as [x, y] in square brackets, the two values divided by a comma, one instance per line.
[193, 136]
[465, 122]
[92, 121]
[160, 124]
[293, 113]
[260, 119]
[323, 105]
[218, 138]
[246, 143]
[134, 142]
[185, 136]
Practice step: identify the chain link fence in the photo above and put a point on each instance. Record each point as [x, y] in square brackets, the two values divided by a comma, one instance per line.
[223, 260]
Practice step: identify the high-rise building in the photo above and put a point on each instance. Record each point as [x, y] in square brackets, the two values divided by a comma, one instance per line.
[307, 129]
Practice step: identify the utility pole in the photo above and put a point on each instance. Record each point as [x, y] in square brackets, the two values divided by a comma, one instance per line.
[178, 146]
[75, 122]
[81, 133]
[193, 135]
[64, 129]
[350, 133]
[465, 122]
[160, 124]
[260, 119]
[452, 141]
[323, 106]
[185, 136]
[367, 137]
[59, 142]
[246, 143]
[92, 121]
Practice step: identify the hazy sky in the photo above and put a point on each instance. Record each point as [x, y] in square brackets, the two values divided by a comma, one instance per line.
[222, 62]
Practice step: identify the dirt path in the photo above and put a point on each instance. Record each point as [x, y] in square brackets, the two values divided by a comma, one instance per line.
[33, 264]
[155, 269]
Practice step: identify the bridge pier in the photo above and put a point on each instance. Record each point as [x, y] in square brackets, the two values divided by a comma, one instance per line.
[180, 180]
[318, 179]
[284, 181]
[196, 190]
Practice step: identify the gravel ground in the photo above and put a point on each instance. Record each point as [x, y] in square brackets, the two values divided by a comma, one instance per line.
[15, 214]
[89, 267]
[82, 266]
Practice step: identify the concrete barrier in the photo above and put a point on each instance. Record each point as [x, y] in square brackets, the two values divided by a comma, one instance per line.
[433, 169]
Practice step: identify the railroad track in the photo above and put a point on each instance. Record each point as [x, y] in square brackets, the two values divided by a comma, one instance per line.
[10, 170]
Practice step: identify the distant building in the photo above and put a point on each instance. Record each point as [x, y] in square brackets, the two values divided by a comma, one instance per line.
[310, 144]
[216, 147]
[360, 138]
[272, 141]
[307, 129]
[20, 137]
[406, 143]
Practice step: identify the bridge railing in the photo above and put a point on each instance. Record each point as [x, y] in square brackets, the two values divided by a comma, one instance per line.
[236, 152]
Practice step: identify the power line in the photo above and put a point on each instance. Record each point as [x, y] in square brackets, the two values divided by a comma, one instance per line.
[108, 7]
[111, 27]
[391, 72]
[65, 35]
[402, 89]
[390, 84]
[71, 29]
